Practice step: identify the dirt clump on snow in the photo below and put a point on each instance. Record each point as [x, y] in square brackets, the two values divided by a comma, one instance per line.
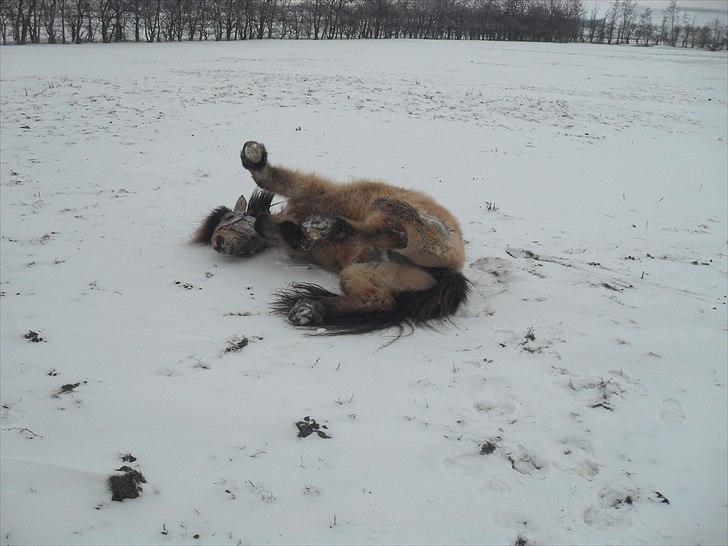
[65, 389]
[125, 485]
[237, 344]
[487, 448]
[33, 337]
[308, 426]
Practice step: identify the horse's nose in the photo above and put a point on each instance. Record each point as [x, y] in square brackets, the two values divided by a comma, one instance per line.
[216, 243]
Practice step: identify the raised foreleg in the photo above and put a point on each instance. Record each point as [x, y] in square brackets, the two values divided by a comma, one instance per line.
[280, 180]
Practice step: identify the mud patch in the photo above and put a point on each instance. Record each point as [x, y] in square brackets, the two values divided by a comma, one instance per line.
[236, 344]
[125, 485]
[308, 426]
[187, 286]
[487, 448]
[663, 499]
[33, 337]
[68, 387]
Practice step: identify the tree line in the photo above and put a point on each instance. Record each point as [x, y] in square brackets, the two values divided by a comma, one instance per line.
[78, 21]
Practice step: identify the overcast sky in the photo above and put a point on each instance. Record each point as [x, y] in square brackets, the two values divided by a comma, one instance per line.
[704, 10]
[717, 5]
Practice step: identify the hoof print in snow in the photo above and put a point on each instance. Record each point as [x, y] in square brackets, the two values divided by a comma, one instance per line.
[127, 457]
[236, 344]
[526, 463]
[33, 337]
[520, 541]
[126, 485]
[308, 426]
[628, 500]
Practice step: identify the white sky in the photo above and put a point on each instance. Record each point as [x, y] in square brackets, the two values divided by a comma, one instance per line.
[717, 5]
[714, 8]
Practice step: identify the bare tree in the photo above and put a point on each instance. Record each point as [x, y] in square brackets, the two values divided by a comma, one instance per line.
[629, 9]
[644, 27]
[672, 28]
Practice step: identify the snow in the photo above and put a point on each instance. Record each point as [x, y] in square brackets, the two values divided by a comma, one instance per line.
[591, 186]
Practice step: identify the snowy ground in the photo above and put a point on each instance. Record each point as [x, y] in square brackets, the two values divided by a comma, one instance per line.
[609, 426]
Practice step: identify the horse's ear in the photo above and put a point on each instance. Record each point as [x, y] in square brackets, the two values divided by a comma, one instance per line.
[240, 205]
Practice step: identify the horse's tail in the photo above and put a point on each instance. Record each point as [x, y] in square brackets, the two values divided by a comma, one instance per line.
[411, 309]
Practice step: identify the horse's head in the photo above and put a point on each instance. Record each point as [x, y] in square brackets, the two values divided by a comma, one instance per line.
[232, 232]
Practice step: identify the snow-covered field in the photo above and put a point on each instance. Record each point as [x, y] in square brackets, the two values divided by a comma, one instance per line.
[580, 398]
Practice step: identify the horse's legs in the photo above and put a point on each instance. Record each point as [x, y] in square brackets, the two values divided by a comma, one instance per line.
[393, 225]
[280, 180]
[367, 288]
[277, 229]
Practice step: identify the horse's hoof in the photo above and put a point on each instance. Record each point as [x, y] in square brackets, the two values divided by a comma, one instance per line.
[253, 155]
[317, 227]
[330, 228]
[306, 313]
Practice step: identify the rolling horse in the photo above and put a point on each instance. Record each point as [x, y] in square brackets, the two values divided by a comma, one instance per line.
[399, 254]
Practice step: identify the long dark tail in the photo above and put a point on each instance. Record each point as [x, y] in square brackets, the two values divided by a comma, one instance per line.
[411, 308]
[203, 234]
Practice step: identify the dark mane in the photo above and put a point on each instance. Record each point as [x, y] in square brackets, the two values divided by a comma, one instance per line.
[260, 202]
[203, 234]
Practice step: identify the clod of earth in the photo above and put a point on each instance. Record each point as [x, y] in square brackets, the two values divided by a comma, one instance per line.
[33, 337]
[186, 285]
[68, 387]
[128, 458]
[663, 498]
[236, 344]
[520, 541]
[308, 426]
[487, 448]
[126, 485]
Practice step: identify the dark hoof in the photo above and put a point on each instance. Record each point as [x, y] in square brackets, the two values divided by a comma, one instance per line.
[307, 313]
[253, 155]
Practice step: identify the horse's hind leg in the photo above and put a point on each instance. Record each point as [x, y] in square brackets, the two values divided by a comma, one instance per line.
[423, 239]
[377, 230]
[367, 288]
[279, 180]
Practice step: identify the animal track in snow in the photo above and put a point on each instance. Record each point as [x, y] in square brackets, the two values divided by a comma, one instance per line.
[671, 411]
[612, 508]
[495, 408]
[515, 517]
[526, 463]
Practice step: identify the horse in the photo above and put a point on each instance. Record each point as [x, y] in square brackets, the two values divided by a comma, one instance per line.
[399, 254]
